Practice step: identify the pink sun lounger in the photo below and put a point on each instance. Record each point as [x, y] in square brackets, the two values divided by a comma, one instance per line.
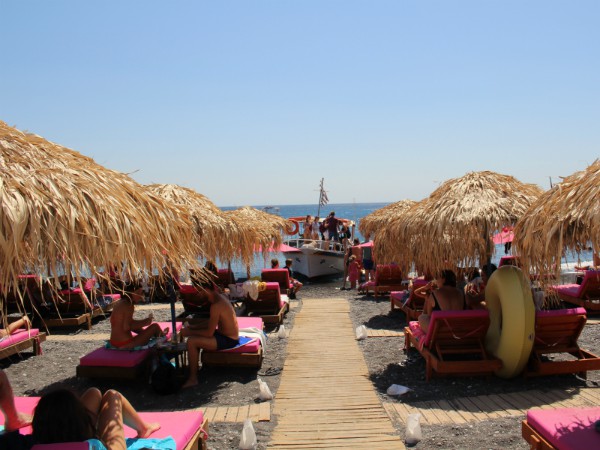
[22, 340]
[248, 355]
[453, 344]
[187, 428]
[271, 306]
[562, 429]
[122, 364]
[586, 294]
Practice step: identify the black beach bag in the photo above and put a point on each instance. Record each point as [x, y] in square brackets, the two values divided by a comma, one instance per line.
[164, 379]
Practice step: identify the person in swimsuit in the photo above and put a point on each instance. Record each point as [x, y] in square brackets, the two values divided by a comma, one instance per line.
[12, 327]
[61, 416]
[475, 290]
[442, 295]
[122, 324]
[222, 317]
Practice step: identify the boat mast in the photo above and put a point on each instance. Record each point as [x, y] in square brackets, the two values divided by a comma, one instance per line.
[322, 197]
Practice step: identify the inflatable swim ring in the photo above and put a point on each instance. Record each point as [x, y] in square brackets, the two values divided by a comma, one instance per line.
[512, 320]
[295, 229]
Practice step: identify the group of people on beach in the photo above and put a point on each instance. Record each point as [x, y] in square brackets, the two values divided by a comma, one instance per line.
[357, 258]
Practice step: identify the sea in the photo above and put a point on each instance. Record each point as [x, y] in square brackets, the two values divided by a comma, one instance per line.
[356, 211]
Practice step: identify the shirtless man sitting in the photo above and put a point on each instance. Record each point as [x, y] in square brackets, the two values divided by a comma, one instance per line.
[222, 316]
[122, 324]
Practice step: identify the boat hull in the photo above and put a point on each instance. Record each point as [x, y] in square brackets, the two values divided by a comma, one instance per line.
[314, 263]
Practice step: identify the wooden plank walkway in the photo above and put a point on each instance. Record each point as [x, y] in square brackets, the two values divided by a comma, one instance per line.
[257, 412]
[325, 399]
[384, 333]
[488, 407]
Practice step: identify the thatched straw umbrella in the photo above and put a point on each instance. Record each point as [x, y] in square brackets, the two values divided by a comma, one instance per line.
[59, 209]
[565, 218]
[257, 230]
[216, 234]
[454, 225]
[371, 224]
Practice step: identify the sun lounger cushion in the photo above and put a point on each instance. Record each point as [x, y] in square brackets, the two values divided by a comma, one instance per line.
[187, 289]
[272, 289]
[562, 312]
[572, 290]
[103, 357]
[592, 277]
[180, 425]
[281, 276]
[18, 336]
[250, 322]
[425, 340]
[246, 345]
[567, 428]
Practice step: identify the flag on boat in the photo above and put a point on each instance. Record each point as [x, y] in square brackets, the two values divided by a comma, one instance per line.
[323, 199]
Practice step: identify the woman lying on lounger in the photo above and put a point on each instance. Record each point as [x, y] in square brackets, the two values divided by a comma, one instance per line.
[441, 295]
[61, 416]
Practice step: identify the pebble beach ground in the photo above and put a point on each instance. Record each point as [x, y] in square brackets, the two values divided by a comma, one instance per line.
[387, 362]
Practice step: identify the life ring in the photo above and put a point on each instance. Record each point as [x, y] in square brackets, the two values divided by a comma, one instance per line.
[295, 229]
[512, 320]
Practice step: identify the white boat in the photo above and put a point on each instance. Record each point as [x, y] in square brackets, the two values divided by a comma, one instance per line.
[316, 258]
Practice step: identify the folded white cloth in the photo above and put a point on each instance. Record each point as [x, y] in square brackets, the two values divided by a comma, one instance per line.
[250, 288]
[255, 333]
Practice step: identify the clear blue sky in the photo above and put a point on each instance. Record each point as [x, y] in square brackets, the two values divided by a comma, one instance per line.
[252, 102]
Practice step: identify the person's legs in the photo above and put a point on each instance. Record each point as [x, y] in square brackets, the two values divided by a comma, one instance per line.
[194, 345]
[111, 429]
[424, 320]
[132, 419]
[16, 325]
[92, 400]
[144, 336]
[13, 420]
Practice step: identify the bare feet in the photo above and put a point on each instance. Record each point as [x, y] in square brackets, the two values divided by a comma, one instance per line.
[149, 428]
[190, 383]
[20, 421]
[165, 332]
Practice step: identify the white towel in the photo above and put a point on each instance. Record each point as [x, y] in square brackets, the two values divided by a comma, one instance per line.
[250, 288]
[255, 333]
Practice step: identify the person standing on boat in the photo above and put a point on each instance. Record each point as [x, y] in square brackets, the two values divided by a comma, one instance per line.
[315, 229]
[307, 227]
[333, 226]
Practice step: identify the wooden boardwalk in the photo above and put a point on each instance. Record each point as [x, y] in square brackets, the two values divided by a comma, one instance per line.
[489, 407]
[326, 399]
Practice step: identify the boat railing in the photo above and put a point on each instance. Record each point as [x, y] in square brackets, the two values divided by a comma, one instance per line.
[332, 246]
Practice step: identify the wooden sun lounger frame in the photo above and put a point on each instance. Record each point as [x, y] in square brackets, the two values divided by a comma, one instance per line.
[410, 312]
[197, 441]
[229, 359]
[533, 438]
[120, 373]
[272, 319]
[383, 289]
[449, 345]
[584, 361]
[33, 342]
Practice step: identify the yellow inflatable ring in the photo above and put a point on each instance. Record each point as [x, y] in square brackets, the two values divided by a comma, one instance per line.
[512, 320]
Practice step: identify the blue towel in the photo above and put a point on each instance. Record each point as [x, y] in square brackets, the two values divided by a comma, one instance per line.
[139, 444]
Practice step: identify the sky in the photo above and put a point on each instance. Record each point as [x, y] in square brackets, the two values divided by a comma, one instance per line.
[253, 102]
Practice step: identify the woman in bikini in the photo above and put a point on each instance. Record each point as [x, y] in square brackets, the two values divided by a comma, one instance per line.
[441, 295]
[123, 325]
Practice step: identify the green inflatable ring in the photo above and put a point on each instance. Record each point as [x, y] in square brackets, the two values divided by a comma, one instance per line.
[512, 320]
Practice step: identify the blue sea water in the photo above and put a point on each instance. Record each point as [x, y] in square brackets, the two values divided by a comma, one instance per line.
[355, 211]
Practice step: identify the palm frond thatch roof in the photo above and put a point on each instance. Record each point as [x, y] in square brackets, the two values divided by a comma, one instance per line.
[259, 230]
[215, 233]
[565, 218]
[454, 224]
[59, 208]
[377, 220]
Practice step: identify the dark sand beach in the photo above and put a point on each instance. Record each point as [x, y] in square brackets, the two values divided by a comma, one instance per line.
[387, 362]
